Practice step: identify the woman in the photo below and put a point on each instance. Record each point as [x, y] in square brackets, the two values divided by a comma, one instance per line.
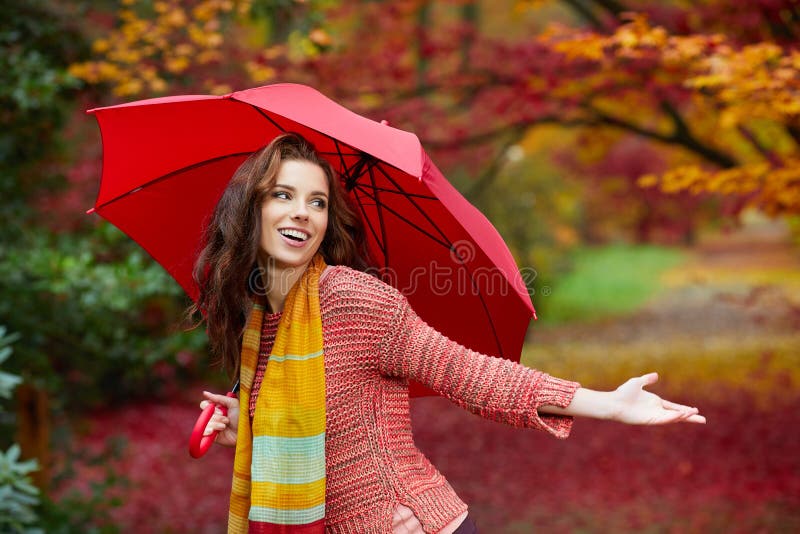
[323, 436]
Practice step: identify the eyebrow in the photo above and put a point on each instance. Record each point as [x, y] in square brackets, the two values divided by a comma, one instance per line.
[292, 188]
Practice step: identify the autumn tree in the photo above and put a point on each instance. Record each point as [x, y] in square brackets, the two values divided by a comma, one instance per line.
[711, 86]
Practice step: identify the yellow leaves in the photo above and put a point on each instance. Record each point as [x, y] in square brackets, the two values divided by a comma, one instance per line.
[154, 41]
[208, 56]
[320, 37]
[773, 188]
[128, 87]
[177, 65]
[757, 81]
[175, 17]
[215, 88]
[648, 180]
[100, 46]
[638, 34]
[587, 46]
[741, 84]
[521, 6]
[259, 73]
[631, 40]
[707, 81]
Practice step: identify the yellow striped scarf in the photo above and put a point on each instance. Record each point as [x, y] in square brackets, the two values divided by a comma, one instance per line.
[279, 467]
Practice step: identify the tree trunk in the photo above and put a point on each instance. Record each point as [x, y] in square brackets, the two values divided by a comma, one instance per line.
[33, 430]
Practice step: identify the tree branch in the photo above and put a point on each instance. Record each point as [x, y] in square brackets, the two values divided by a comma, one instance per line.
[586, 14]
[681, 136]
[469, 16]
[794, 132]
[770, 155]
[612, 6]
[490, 173]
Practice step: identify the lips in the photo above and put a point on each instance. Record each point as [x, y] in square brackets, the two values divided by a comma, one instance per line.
[294, 237]
[294, 233]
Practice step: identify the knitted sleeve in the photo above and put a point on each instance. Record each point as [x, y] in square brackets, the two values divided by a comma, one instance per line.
[494, 388]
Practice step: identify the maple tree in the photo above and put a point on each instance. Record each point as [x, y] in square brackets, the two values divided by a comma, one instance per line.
[711, 85]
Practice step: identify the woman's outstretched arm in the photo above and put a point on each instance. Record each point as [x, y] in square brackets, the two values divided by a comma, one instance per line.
[629, 403]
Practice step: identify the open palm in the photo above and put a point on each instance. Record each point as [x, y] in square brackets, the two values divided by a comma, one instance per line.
[635, 406]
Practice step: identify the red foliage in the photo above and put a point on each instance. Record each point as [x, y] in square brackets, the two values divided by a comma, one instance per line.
[739, 473]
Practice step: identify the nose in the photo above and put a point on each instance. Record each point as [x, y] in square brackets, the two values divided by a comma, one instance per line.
[300, 211]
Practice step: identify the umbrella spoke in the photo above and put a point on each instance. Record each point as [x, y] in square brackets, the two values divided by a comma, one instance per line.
[413, 203]
[396, 192]
[339, 153]
[397, 214]
[270, 119]
[171, 174]
[487, 314]
[346, 171]
[475, 289]
[379, 206]
[368, 223]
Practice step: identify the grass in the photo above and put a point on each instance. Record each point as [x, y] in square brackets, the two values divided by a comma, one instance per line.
[606, 280]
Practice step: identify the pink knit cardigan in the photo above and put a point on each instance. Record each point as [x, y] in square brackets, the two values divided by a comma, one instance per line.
[374, 343]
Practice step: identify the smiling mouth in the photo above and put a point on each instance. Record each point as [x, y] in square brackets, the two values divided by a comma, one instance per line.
[294, 235]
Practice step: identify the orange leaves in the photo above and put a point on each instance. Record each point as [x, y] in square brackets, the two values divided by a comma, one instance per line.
[187, 41]
[636, 39]
[756, 81]
[773, 189]
[714, 89]
[152, 45]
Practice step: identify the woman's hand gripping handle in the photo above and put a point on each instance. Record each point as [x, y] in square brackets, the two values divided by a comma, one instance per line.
[218, 423]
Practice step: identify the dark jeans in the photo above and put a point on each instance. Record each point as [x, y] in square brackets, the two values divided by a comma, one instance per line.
[466, 527]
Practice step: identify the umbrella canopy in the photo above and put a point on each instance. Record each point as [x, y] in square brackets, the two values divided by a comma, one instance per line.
[166, 162]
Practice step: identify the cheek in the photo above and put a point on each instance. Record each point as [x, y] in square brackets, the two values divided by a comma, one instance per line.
[324, 224]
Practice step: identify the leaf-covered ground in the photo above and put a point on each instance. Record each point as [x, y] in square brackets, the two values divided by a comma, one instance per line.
[723, 336]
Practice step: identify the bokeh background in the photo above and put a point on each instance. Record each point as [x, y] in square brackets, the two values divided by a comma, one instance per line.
[641, 157]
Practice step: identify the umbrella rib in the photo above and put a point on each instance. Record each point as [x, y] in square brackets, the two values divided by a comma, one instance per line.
[170, 175]
[381, 245]
[379, 206]
[480, 295]
[444, 243]
[270, 119]
[411, 200]
[345, 168]
[396, 192]
[488, 315]
[339, 153]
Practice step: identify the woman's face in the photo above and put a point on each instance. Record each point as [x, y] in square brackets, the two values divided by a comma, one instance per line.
[294, 215]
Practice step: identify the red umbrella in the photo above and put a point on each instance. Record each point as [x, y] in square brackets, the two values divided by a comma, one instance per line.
[166, 162]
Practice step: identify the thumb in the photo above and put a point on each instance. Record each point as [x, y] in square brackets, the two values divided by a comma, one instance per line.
[222, 400]
[649, 379]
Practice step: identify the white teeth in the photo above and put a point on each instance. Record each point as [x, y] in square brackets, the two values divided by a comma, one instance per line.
[294, 233]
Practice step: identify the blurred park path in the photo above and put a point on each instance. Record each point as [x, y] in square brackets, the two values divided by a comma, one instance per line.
[743, 282]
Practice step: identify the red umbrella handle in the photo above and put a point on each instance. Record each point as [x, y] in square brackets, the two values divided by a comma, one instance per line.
[198, 443]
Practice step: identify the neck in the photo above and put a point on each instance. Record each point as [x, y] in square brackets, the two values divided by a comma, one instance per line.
[277, 280]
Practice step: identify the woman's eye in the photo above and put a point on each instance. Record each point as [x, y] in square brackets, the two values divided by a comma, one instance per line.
[318, 202]
[280, 194]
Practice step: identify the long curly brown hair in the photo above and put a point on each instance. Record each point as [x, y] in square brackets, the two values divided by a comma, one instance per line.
[227, 264]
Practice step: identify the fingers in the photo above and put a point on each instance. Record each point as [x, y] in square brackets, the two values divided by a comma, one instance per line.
[218, 423]
[680, 412]
[224, 400]
[674, 406]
